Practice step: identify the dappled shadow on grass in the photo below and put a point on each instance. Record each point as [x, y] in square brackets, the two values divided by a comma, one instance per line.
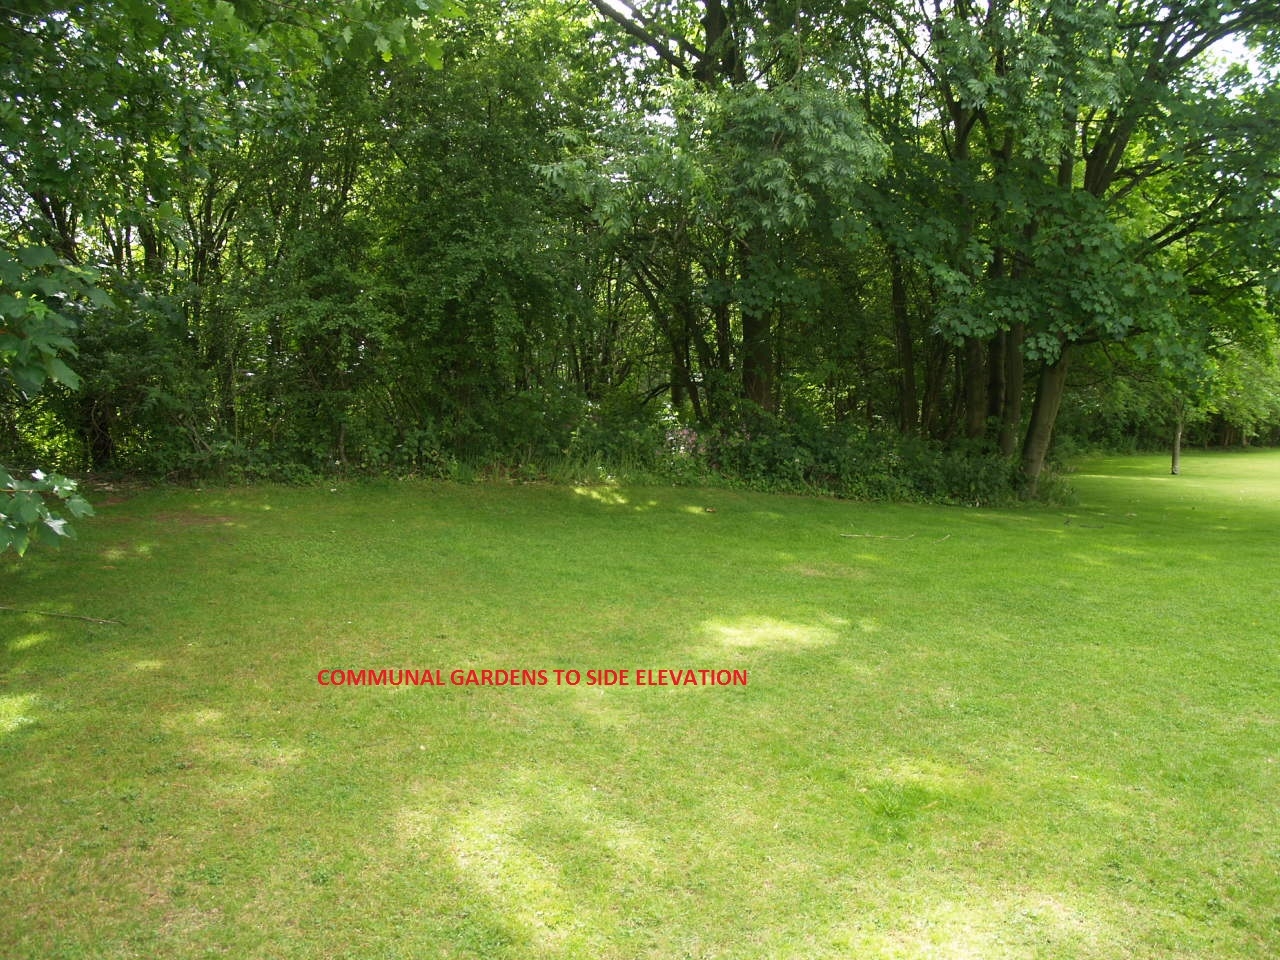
[607, 863]
[685, 501]
[677, 834]
[948, 746]
[560, 869]
[612, 497]
[27, 640]
[492, 823]
[574, 855]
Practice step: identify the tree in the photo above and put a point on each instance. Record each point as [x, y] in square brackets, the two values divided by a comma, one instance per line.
[332, 242]
[39, 295]
[113, 110]
[1052, 121]
[745, 150]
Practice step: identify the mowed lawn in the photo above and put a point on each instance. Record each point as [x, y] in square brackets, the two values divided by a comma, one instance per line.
[1044, 732]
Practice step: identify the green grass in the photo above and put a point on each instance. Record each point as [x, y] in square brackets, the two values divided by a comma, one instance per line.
[1049, 732]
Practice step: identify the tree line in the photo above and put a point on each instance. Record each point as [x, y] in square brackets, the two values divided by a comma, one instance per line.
[786, 241]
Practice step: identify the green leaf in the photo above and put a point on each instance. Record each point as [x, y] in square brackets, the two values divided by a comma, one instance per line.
[61, 373]
[12, 307]
[79, 506]
[36, 257]
[59, 527]
[28, 378]
[23, 508]
[46, 534]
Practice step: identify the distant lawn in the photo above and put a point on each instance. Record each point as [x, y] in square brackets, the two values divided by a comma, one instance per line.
[1050, 732]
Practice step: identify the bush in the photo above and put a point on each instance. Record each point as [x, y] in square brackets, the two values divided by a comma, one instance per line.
[799, 453]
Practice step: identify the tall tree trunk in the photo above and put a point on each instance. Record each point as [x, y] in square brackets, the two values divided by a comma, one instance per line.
[997, 369]
[908, 406]
[937, 360]
[757, 338]
[975, 388]
[757, 359]
[678, 392]
[998, 345]
[681, 378]
[63, 225]
[99, 420]
[1175, 468]
[1011, 413]
[1044, 413]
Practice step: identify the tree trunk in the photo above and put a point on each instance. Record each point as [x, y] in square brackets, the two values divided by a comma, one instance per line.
[757, 337]
[757, 360]
[997, 348]
[1011, 414]
[1044, 413]
[678, 392]
[937, 360]
[997, 370]
[98, 431]
[975, 388]
[908, 406]
[1175, 467]
[152, 250]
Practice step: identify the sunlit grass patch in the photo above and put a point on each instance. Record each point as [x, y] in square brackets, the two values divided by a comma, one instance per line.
[17, 711]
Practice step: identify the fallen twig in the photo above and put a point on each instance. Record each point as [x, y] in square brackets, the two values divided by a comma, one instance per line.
[65, 616]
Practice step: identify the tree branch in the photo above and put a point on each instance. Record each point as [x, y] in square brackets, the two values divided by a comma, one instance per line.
[65, 616]
[637, 26]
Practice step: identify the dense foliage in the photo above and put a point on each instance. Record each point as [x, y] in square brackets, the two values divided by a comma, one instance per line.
[878, 250]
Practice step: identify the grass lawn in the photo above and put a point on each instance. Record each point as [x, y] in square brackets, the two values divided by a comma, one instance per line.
[1048, 732]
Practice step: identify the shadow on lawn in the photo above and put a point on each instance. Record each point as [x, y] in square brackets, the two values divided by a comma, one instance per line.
[666, 844]
[565, 868]
[567, 824]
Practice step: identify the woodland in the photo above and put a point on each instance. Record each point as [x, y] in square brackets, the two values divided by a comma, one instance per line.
[914, 249]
